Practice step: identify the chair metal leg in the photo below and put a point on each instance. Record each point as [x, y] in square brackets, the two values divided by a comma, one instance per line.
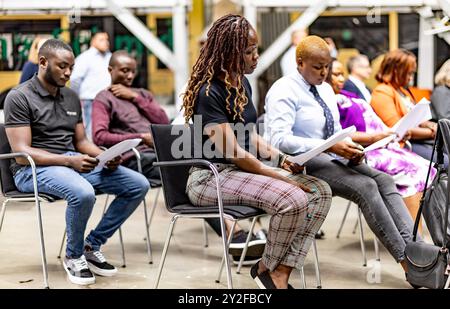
[147, 233]
[205, 235]
[62, 243]
[147, 223]
[343, 219]
[377, 250]
[41, 239]
[244, 252]
[316, 265]
[361, 238]
[106, 203]
[223, 257]
[155, 202]
[122, 247]
[302, 277]
[166, 247]
[355, 227]
[2, 213]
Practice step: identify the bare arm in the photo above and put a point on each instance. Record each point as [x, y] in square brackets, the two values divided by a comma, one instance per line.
[82, 144]
[264, 149]
[20, 140]
[225, 142]
[366, 139]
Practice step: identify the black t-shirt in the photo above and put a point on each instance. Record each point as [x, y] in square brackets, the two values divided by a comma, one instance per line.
[52, 119]
[212, 109]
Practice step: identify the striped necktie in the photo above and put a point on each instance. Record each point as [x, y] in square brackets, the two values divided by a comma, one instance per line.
[329, 122]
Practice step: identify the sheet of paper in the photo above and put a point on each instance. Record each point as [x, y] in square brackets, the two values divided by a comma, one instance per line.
[419, 113]
[117, 150]
[335, 138]
[381, 143]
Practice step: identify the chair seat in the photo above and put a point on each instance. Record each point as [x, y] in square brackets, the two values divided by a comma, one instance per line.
[236, 211]
[18, 194]
[47, 197]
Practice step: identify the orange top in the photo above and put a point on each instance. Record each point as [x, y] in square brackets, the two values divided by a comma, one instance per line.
[387, 103]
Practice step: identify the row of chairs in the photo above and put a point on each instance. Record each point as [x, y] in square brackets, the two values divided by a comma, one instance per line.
[174, 175]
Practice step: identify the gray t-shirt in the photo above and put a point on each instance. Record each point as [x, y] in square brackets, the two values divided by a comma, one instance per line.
[52, 119]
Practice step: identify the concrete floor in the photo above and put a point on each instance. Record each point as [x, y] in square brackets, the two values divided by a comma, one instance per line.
[189, 264]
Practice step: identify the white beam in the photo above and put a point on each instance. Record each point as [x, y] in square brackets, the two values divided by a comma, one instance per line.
[140, 31]
[345, 3]
[425, 68]
[84, 4]
[180, 47]
[284, 40]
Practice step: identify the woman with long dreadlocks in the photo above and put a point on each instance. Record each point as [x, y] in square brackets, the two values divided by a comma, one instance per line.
[218, 97]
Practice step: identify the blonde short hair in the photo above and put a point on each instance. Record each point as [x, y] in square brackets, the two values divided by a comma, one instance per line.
[310, 45]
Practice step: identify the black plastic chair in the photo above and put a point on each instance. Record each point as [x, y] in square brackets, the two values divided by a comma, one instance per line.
[174, 176]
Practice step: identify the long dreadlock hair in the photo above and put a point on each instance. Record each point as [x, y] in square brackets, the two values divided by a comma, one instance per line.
[222, 53]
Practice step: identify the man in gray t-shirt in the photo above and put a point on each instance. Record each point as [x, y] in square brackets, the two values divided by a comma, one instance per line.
[43, 119]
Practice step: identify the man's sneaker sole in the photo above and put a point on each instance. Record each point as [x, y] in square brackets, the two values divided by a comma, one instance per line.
[102, 272]
[255, 248]
[78, 280]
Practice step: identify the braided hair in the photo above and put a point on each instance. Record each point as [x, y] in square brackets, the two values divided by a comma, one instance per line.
[222, 53]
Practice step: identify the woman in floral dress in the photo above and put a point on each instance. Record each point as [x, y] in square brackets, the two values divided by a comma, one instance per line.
[408, 169]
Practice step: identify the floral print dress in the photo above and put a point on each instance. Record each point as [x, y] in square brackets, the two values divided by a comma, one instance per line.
[408, 169]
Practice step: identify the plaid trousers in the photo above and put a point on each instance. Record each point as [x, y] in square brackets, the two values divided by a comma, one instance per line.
[296, 216]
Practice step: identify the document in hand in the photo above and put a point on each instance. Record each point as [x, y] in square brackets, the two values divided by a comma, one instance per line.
[335, 138]
[419, 113]
[381, 143]
[117, 150]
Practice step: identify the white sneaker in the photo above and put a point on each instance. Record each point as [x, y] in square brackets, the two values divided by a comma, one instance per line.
[78, 271]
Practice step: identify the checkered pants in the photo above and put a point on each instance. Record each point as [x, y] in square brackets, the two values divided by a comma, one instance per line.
[296, 216]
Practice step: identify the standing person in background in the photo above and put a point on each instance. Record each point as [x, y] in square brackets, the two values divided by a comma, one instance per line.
[440, 102]
[31, 66]
[392, 99]
[90, 75]
[287, 62]
[359, 70]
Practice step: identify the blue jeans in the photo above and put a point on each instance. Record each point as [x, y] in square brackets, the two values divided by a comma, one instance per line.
[87, 117]
[78, 189]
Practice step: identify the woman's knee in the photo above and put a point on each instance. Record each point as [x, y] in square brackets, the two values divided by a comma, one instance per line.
[294, 203]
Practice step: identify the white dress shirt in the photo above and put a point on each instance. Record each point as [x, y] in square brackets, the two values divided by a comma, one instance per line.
[90, 74]
[362, 87]
[294, 121]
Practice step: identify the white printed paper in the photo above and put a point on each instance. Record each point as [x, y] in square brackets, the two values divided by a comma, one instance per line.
[332, 140]
[381, 143]
[117, 150]
[419, 113]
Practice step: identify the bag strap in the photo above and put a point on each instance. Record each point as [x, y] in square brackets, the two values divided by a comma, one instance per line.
[422, 200]
[444, 127]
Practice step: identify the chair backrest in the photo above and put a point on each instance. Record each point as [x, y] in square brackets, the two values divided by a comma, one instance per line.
[6, 177]
[260, 125]
[174, 178]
